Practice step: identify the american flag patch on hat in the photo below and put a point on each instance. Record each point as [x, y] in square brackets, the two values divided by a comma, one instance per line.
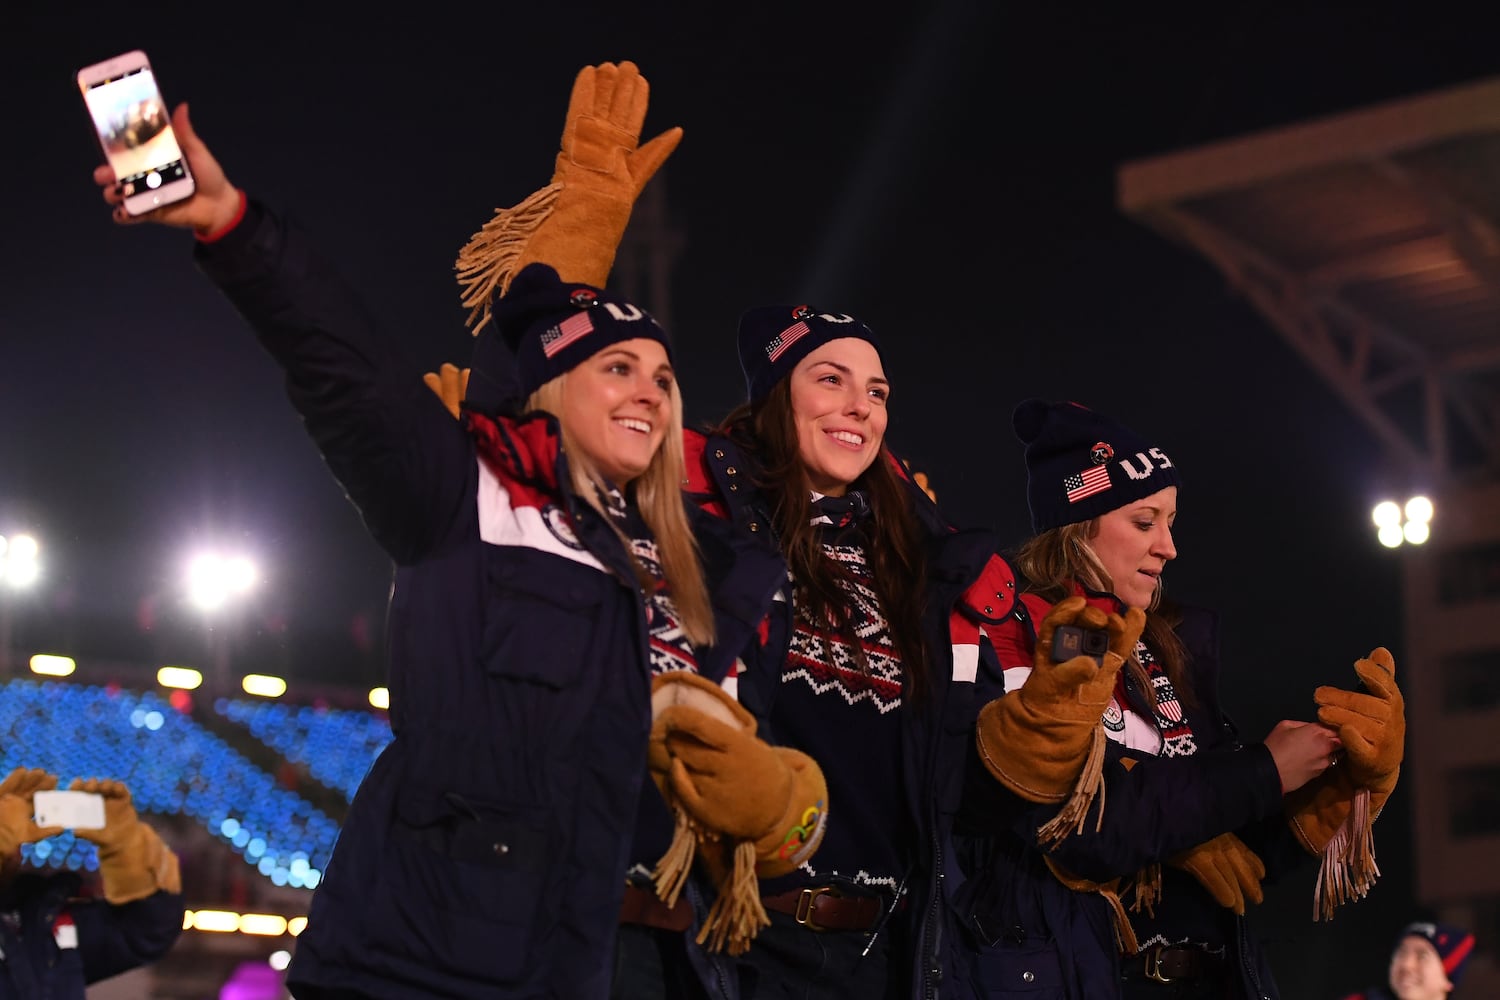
[566, 332]
[786, 338]
[1094, 479]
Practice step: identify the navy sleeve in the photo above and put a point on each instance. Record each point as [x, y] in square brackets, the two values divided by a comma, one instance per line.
[114, 939]
[403, 460]
[1159, 807]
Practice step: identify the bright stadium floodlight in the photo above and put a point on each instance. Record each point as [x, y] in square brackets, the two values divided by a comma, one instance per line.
[380, 698]
[213, 579]
[279, 960]
[20, 562]
[1397, 523]
[296, 926]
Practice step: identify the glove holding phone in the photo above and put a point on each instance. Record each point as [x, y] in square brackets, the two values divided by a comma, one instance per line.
[17, 824]
[134, 862]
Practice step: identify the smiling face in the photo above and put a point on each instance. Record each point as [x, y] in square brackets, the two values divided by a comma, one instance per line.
[1417, 971]
[617, 407]
[839, 395]
[1134, 544]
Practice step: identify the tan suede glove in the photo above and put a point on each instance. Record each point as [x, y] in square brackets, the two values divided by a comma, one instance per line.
[450, 383]
[17, 822]
[1036, 741]
[755, 810]
[1230, 871]
[576, 223]
[734, 783]
[1371, 724]
[134, 862]
[1333, 815]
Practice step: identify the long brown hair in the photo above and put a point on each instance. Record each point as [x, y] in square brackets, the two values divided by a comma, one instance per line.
[659, 498]
[896, 554]
[1056, 558]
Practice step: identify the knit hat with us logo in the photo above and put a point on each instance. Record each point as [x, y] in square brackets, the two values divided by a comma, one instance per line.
[553, 326]
[1081, 464]
[772, 339]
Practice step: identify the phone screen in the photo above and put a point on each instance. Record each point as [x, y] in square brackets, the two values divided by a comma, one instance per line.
[135, 129]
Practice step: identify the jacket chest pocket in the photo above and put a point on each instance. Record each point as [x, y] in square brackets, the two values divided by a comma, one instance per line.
[540, 620]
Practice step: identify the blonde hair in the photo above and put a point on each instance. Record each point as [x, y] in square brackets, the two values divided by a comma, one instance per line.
[659, 498]
[1057, 557]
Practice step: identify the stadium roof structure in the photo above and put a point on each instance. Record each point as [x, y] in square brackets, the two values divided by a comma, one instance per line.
[1370, 240]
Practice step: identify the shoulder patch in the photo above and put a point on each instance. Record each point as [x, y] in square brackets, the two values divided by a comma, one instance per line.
[991, 597]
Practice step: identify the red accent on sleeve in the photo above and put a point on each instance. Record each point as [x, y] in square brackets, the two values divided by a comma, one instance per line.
[219, 234]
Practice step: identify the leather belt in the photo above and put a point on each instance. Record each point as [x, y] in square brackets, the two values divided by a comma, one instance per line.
[1162, 964]
[821, 909]
[643, 906]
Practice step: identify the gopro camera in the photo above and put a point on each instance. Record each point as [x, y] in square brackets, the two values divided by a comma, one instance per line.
[1069, 641]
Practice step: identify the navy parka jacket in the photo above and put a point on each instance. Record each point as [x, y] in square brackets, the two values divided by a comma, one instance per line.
[485, 853]
[1018, 918]
[967, 584]
[53, 943]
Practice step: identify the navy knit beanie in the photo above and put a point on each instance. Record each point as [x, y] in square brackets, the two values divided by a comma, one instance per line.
[553, 326]
[1081, 464]
[772, 339]
[1453, 945]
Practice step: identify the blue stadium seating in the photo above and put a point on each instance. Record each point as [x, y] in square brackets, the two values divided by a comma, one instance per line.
[336, 745]
[171, 765]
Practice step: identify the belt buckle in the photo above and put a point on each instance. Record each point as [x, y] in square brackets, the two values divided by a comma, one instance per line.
[805, 903]
[1153, 965]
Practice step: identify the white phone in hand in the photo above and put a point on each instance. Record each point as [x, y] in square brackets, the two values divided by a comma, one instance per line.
[134, 126]
[70, 810]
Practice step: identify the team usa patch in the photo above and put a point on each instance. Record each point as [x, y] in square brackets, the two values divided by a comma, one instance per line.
[569, 331]
[786, 338]
[1094, 479]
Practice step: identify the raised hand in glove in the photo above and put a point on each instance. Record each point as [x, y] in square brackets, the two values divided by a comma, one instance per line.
[576, 223]
[450, 383]
[1371, 724]
[17, 822]
[133, 861]
[1229, 870]
[1333, 815]
[1036, 741]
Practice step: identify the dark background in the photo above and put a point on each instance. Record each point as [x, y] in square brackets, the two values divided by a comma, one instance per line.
[943, 171]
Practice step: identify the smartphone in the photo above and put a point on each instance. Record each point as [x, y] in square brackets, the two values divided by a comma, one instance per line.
[70, 810]
[134, 126]
[1069, 641]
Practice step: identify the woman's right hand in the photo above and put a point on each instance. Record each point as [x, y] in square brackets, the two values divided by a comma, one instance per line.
[215, 203]
[1302, 751]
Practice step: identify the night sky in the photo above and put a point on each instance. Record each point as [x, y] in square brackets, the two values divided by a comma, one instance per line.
[943, 171]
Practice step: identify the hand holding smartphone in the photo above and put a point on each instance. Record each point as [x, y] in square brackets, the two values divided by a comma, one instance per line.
[69, 810]
[134, 127]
